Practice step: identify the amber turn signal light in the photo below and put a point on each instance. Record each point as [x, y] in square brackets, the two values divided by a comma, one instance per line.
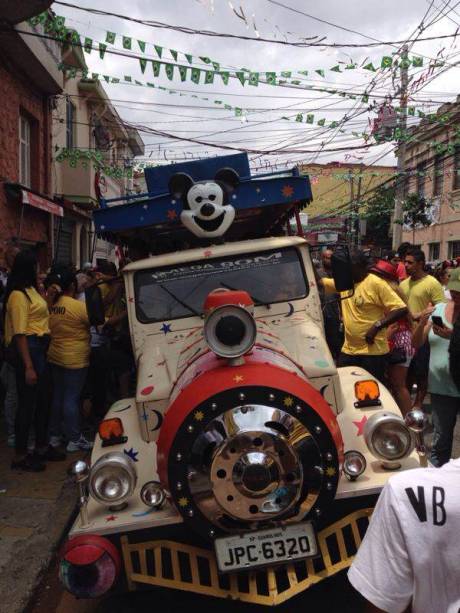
[111, 432]
[367, 393]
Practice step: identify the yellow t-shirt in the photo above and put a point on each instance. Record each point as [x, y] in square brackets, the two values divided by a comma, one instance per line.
[373, 300]
[70, 337]
[421, 292]
[26, 316]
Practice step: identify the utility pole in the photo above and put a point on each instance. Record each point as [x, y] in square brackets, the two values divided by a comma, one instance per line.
[402, 125]
[358, 198]
[352, 209]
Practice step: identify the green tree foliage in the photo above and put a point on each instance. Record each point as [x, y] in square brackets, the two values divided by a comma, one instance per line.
[377, 214]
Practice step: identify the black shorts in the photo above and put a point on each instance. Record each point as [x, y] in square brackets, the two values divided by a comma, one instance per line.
[374, 364]
[420, 363]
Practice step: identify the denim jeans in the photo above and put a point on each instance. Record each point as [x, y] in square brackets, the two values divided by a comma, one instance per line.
[8, 377]
[444, 411]
[32, 399]
[65, 412]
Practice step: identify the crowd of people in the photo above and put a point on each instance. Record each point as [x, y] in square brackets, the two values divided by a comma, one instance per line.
[401, 323]
[59, 372]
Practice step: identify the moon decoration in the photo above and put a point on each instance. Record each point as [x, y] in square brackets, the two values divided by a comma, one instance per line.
[142, 513]
[123, 409]
[291, 309]
[159, 417]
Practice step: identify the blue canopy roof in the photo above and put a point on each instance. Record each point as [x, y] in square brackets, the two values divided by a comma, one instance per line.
[262, 203]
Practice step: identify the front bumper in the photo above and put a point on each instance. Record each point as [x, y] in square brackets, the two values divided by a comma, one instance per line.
[188, 567]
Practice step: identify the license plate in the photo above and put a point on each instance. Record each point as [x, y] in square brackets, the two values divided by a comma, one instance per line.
[266, 547]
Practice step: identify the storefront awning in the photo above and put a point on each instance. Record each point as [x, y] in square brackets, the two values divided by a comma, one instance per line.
[41, 203]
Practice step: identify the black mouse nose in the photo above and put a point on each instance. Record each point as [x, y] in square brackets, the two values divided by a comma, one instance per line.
[207, 210]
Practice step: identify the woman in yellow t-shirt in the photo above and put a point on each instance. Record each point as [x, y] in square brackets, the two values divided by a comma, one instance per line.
[26, 341]
[68, 355]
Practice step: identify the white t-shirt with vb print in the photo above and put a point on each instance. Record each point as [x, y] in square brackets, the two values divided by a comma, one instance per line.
[411, 551]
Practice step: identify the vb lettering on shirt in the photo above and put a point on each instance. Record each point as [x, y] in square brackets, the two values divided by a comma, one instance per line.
[57, 310]
[410, 554]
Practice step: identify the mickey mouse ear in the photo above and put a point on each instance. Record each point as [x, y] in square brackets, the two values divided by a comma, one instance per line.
[179, 184]
[228, 177]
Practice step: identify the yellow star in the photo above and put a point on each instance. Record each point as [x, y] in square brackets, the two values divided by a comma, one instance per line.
[288, 401]
[238, 378]
[287, 191]
[199, 415]
[330, 471]
[183, 502]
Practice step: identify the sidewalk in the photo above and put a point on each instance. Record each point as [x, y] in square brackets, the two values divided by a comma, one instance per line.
[34, 512]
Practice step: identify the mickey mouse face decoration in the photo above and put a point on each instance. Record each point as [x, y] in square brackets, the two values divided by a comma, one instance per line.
[206, 212]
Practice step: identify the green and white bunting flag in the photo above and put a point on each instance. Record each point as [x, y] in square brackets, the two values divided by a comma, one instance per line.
[143, 64]
[304, 72]
[106, 78]
[95, 76]
[370, 66]
[351, 66]
[286, 74]
[225, 77]
[141, 44]
[183, 73]
[310, 118]
[158, 49]
[173, 52]
[387, 62]
[216, 66]
[188, 57]
[156, 68]
[205, 59]
[209, 77]
[128, 78]
[271, 78]
[88, 45]
[254, 78]
[321, 122]
[110, 38]
[115, 80]
[238, 111]
[127, 41]
[320, 71]
[240, 76]
[417, 62]
[169, 69]
[336, 68]
[411, 110]
[299, 117]
[102, 48]
[365, 98]
[196, 72]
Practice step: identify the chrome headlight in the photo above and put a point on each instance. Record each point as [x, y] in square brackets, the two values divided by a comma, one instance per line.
[230, 331]
[354, 464]
[112, 478]
[388, 438]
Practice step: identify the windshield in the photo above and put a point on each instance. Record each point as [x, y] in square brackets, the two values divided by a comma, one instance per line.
[179, 291]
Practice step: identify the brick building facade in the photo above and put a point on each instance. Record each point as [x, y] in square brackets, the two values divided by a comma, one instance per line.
[432, 163]
[28, 81]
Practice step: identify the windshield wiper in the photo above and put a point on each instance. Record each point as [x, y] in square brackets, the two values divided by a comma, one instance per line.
[184, 304]
[254, 298]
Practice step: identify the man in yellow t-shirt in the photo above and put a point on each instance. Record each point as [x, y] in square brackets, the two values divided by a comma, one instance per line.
[373, 306]
[422, 292]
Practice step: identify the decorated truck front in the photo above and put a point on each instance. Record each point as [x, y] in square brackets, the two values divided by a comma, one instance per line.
[247, 464]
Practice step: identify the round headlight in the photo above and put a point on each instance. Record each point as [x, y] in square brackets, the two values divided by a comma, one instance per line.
[112, 479]
[152, 494]
[354, 464]
[388, 437]
[230, 331]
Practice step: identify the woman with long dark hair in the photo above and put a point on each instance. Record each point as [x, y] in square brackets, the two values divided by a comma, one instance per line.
[69, 358]
[26, 340]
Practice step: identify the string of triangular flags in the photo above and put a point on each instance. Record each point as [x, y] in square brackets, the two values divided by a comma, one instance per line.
[56, 25]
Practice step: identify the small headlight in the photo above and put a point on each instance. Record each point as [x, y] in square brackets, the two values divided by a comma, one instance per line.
[152, 494]
[354, 464]
[230, 331]
[388, 438]
[112, 479]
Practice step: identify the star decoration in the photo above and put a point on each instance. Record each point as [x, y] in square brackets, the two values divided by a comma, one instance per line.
[330, 471]
[131, 453]
[171, 214]
[111, 518]
[238, 378]
[165, 328]
[207, 253]
[199, 415]
[183, 502]
[287, 191]
[258, 190]
[360, 425]
[288, 401]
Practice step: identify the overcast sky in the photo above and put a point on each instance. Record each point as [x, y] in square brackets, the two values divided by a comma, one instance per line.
[262, 125]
